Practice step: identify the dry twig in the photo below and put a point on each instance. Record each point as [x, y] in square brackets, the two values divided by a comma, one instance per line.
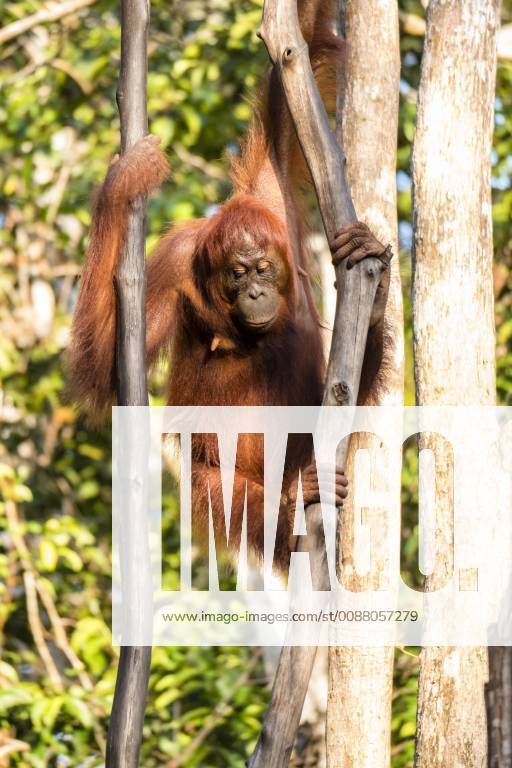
[52, 12]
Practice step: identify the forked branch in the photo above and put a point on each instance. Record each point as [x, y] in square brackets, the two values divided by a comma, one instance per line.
[281, 33]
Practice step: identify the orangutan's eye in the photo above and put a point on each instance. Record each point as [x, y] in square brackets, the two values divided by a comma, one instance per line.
[238, 272]
[263, 266]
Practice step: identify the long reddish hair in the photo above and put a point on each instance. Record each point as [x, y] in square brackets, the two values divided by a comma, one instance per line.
[241, 215]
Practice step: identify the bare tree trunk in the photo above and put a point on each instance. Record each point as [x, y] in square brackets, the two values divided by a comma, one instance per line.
[453, 318]
[125, 729]
[361, 679]
[499, 708]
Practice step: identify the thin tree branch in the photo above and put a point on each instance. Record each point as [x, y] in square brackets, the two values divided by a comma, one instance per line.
[35, 583]
[209, 169]
[127, 719]
[36, 627]
[64, 66]
[29, 581]
[52, 12]
[9, 746]
[61, 637]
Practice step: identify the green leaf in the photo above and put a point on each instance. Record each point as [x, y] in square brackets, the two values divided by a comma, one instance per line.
[407, 729]
[48, 555]
[167, 698]
[45, 712]
[71, 558]
[78, 709]
[8, 672]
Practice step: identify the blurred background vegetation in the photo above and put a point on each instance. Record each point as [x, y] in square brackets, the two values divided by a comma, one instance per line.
[58, 130]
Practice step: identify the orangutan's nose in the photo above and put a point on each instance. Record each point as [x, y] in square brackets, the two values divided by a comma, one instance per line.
[255, 291]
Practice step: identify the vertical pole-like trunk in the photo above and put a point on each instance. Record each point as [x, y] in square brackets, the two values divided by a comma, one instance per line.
[361, 679]
[499, 707]
[453, 317]
[125, 729]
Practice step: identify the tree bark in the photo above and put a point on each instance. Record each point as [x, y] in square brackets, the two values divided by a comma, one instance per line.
[127, 718]
[453, 318]
[282, 36]
[499, 708]
[361, 679]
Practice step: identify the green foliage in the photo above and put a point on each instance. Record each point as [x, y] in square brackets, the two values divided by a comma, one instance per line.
[502, 216]
[59, 127]
[403, 721]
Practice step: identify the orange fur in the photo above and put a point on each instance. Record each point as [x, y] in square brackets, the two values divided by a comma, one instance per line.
[90, 360]
[271, 140]
[213, 361]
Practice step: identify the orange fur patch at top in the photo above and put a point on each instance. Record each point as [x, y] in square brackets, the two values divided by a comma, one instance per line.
[242, 215]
